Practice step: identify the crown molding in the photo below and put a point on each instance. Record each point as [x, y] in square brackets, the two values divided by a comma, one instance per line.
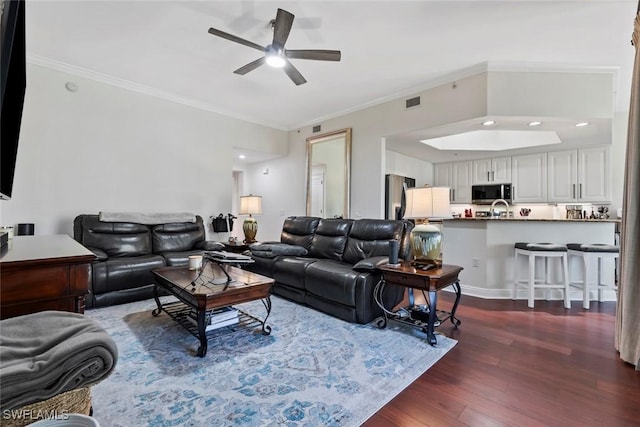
[146, 90]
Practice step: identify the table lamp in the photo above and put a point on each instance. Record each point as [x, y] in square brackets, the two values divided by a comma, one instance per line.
[422, 204]
[250, 205]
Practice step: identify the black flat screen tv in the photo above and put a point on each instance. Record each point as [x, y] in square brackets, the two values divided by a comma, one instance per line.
[13, 82]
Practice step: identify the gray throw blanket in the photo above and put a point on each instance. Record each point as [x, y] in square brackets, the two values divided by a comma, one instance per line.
[147, 218]
[51, 352]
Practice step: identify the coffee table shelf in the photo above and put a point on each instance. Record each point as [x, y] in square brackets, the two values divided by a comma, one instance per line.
[179, 311]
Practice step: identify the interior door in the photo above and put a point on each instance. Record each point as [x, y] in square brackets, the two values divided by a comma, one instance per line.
[318, 190]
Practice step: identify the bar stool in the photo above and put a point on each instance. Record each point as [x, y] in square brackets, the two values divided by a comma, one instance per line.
[545, 251]
[592, 256]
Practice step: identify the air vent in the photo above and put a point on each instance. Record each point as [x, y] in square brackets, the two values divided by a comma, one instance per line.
[412, 102]
[316, 128]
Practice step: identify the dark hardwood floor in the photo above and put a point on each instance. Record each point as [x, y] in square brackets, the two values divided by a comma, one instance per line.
[522, 367]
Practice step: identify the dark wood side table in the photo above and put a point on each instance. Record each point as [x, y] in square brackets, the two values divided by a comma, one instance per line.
[430, 281]
[40, 273]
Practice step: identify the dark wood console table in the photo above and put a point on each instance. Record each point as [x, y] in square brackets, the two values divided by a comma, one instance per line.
[430, 281]
[40, 273]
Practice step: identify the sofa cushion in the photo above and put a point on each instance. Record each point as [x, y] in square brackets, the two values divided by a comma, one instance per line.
[291, 270]
[178, 236]
[299, 230]
[124, 272]
[330, 238]
[370, 237]
[116, 239]
[333, 280]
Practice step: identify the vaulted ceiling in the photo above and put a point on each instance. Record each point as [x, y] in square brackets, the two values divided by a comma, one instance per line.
[389, 48]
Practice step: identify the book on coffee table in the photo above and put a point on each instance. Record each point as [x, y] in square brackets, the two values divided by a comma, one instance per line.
[217, 318]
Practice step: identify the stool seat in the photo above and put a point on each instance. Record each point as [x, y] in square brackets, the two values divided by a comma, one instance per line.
[553, 247]
[595, 247]
[544, 251]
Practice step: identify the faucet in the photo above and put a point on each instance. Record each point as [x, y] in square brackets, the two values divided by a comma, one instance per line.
[493, 205]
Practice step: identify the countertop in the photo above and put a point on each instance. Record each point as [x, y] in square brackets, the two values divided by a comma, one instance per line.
[529, 219]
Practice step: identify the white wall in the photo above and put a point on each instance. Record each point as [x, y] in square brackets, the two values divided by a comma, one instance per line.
[105, 148]
[400, 164]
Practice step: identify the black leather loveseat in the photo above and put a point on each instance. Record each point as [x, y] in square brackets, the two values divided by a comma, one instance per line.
[330, 264]
[128, 251]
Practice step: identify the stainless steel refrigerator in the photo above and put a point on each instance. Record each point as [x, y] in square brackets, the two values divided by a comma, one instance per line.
[394, 195]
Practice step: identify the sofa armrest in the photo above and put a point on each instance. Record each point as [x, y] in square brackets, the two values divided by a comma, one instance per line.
[209, 245]
[99, 253]
[274, 249]
[370, 264]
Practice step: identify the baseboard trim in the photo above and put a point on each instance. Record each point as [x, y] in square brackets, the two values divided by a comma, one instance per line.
[574, 295]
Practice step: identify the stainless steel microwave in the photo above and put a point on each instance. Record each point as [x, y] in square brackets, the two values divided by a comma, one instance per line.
[486, 194]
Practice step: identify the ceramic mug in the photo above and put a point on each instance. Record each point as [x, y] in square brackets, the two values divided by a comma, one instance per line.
[195, 262]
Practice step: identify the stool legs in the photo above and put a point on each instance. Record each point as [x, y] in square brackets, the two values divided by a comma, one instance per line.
[585, 285]
[532, 280]
[592, 273]
[545, 281]
[565, 279]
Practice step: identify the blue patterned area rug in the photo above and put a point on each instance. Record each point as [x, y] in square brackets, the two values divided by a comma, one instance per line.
[312, 370]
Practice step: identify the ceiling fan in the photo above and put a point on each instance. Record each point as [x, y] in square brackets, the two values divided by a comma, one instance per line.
[275, 54]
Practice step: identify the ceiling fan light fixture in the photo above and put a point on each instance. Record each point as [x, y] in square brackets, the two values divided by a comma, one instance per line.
[274, 57]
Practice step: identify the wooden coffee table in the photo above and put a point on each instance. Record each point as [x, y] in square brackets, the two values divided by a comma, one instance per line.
[207, 289]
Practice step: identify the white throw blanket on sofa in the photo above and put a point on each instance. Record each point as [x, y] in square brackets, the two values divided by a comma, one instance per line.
[147, 218]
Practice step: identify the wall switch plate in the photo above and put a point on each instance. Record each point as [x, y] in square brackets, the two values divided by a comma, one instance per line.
[475, 262]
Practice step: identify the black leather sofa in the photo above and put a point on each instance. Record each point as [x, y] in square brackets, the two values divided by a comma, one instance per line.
[127, 252]
[330, 264]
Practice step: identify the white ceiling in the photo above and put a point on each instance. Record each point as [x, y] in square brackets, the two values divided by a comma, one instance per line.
[389, 49]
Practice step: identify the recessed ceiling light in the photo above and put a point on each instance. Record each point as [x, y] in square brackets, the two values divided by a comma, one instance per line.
[488, 123]
[242, 156]
[535, 123]
[579, 125]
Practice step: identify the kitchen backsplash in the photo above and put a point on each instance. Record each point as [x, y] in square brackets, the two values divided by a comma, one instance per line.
[538, 211]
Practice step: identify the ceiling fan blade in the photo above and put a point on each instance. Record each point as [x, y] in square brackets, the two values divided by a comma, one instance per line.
[319, 55]
[294, 74]
[250, 66]
[236, 39]
[282, 27]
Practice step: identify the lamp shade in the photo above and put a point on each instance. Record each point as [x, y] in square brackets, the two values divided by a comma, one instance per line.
[427, 202]
[250, 205]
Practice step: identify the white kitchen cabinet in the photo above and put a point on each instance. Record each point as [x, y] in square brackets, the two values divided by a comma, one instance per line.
[442, 175]
[529, 184]
[457, 176]
[579, 175]
[492, 171]
[594, 175]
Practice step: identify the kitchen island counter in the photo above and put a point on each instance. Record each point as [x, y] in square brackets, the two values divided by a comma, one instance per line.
[484, 247]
